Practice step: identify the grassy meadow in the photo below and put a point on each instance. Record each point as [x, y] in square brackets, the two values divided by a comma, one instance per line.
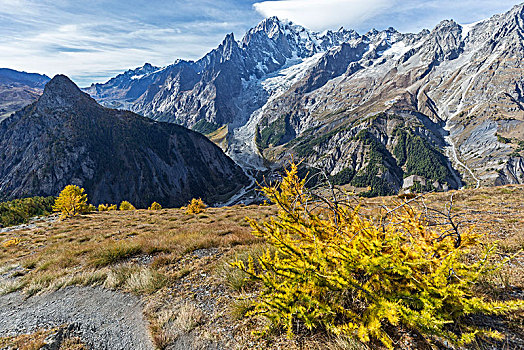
[180, 264]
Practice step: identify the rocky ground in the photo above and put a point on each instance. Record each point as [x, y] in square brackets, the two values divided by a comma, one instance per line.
[33, 223]
[101, 318]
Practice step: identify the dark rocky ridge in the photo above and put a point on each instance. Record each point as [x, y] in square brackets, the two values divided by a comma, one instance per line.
[67, 138]
[10, 76]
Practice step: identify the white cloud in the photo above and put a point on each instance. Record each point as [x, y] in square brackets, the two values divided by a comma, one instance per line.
[93, 41]
[87, 51]
[324, 14]
[362, 15]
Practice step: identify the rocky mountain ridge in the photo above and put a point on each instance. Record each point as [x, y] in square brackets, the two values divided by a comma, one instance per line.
[282, 83]
[205, 87]
[18, 89]
[67, 138]
[465, 79]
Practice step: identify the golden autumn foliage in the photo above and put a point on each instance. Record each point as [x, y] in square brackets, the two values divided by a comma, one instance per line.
[337, 271]
[71, 202]
[107, 207]
[11, 242]
[125, 205]
[196, 206]
[155, 206]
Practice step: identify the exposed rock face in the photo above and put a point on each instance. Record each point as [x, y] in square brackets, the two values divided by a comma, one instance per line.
[513, 171]
[18, 89]
[466, 79]
[464, 83]
[208, 89]
[67, 138]
[380, 151]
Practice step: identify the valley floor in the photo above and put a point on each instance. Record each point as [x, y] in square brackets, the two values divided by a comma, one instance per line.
[171, 270]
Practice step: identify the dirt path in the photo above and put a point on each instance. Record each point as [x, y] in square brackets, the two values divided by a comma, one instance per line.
[103, 319]
[452, 154]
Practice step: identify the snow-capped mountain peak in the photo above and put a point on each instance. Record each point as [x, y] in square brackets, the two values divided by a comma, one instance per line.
[281, 73]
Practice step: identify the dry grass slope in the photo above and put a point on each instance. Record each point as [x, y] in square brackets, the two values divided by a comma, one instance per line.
[179, 264]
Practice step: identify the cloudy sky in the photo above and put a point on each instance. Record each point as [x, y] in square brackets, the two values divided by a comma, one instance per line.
[93, 40]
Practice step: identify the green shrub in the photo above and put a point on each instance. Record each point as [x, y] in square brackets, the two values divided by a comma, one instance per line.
[305, 145]
[503, 139]
[419, 157]
[205, 127]
[379, 161]
[343, 177]
[276, 133]
[19, 211]
[337, 271]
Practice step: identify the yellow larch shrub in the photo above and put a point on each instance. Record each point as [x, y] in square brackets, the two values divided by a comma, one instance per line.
[11, 242]
[107, 207]
[155, 206]
[125, 205]
[196, 206]
[338, 271]
[71, 201]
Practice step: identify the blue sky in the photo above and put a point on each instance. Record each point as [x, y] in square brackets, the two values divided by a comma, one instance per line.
[93, 40]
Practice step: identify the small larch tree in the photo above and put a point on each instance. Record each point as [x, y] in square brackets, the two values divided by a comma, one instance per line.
[196, 206]
[107, 207]
[71, 201]
[125, 205]
[155, 206]
[347, 274]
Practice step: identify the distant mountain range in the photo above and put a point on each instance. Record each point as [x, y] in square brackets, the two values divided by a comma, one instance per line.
[358, 106]
[66, 137]
[438, 109]
[18, 89]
